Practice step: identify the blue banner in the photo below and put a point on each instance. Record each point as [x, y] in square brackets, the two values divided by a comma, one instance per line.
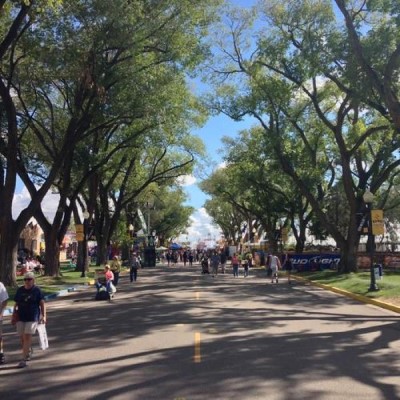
[314, 262]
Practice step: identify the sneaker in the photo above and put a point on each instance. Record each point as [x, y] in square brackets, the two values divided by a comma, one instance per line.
[2, 358]
[28, 358]
[22, 364]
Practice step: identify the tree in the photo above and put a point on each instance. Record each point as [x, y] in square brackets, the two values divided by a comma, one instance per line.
[298, 83]
[63, 100]
[16, 17]
[373, 33]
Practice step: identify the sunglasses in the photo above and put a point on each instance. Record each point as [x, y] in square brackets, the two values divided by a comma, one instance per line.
[28, 279]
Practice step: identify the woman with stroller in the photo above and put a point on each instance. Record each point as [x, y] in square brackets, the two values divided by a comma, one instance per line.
[109, 275]
[106, 282]
[204, 264]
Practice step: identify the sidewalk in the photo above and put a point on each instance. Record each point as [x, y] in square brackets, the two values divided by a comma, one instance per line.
[363, 299]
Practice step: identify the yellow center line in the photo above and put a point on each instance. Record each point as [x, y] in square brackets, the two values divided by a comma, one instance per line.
[197, 354]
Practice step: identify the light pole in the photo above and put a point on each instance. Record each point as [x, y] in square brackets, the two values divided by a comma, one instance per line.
[368, 198]
[85, 263]
[150, 252]
[149, 206]
[131, 230]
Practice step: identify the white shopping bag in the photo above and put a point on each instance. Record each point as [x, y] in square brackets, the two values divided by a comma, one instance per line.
[43, 342]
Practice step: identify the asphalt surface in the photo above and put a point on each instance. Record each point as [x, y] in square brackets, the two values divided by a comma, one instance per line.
[176, 334]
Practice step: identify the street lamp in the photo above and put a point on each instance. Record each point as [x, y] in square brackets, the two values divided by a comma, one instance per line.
[149, 206]
[85, 259]
[368, 198]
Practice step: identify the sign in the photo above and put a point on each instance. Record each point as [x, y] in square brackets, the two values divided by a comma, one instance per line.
[79, 228]
[312, 261]
[80, 236]
[378, 227]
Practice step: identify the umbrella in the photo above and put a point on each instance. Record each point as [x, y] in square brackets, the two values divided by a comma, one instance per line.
[175, 246]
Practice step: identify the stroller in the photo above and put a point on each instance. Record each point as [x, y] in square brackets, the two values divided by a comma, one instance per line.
[204, 266]
[104, 291]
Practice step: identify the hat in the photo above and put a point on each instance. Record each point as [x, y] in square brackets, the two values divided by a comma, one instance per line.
[29, 275]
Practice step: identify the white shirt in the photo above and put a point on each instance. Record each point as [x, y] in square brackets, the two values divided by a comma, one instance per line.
[274, 262]
[3, 297]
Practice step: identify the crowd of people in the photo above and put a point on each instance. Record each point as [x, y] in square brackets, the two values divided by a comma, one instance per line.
[29, 310]
[29, 263]
[217, 261]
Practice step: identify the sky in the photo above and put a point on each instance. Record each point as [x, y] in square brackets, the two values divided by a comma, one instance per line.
[211, 133]
[201, 227]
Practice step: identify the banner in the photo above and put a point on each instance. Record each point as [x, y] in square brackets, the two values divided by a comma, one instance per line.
[378, 226]
[314, 262]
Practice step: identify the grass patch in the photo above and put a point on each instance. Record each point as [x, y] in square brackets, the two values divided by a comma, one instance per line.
[359, 282]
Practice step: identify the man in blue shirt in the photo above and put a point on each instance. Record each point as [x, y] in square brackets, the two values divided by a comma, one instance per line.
[30, 305]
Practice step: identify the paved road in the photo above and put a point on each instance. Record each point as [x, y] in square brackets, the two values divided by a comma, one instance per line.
[176, 334]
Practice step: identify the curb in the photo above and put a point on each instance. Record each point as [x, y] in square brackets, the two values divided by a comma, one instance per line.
[358, 297]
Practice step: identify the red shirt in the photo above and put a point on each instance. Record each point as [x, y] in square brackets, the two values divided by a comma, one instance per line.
[109, 275]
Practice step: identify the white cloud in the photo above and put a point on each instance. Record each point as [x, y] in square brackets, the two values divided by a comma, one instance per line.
[200, 229]
[186, 180]
[222, 165]
[49, 203]
[201, 225]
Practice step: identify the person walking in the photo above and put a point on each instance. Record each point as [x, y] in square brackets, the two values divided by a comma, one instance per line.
[245, 265]
[288, 266]
[235, 265]
[223, 258]
[135, 265]
[275, 266]
[204, 264]
[3, 304]
[215, 260]
[168, 257]
[116, 269]
[31, 309]
[190, 257]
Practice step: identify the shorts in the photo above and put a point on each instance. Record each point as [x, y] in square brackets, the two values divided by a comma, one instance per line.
[26, 327]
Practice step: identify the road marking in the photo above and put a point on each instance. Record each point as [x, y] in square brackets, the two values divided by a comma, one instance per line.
[197, 354]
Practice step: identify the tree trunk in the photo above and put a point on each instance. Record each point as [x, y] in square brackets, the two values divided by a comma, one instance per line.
[83, 259]
[52, 258]
[348, 251]
[102, 250]
[8, 258]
